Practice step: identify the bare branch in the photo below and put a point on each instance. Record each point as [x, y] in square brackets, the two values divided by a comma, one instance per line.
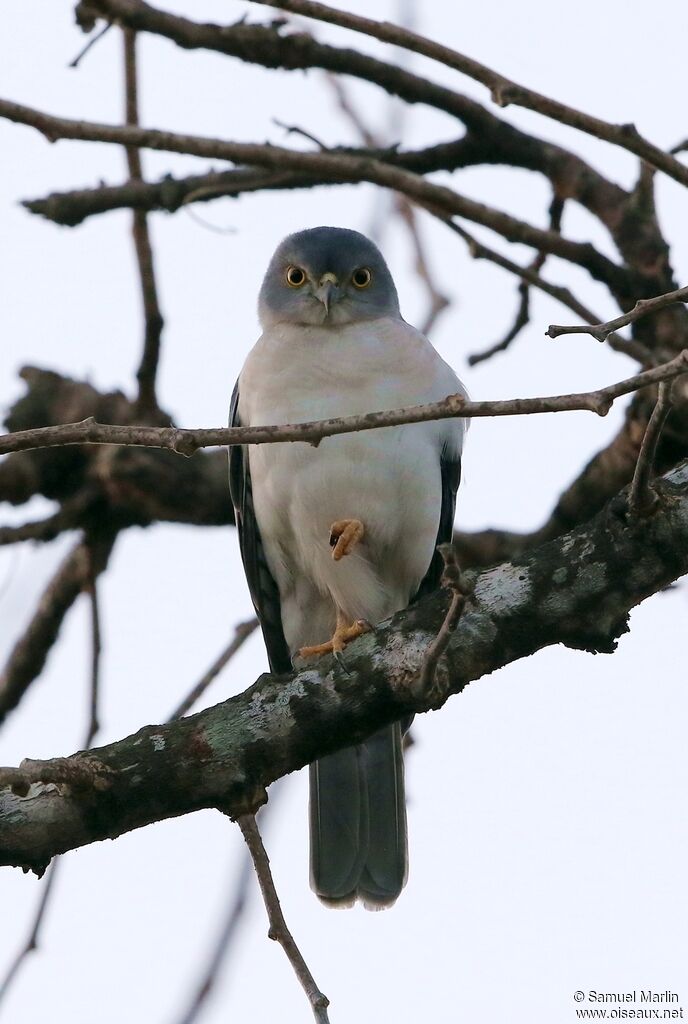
[29, 653]
[643, 307]
[92, 42]
[223, 756]
[453, 580]
[91, 730]
[237, 906]
[642, 498]
[186, 441]
[522, 318]
[338, 168]
[278, 926]
[503, 91]
[169, 194]
[241, 634]
[479, 251]
[91, 588]
[147, 401]
[31, 943]
[68, 517]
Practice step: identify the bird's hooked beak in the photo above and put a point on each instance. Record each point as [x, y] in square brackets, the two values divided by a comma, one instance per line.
[327, 286]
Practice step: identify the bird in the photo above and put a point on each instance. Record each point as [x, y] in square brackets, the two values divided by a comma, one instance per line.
[336, 538]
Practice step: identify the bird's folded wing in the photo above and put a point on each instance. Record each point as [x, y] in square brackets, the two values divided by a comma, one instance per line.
[261, 584]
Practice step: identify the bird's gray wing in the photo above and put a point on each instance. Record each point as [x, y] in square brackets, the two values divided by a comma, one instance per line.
[262, 586]
[450, 467]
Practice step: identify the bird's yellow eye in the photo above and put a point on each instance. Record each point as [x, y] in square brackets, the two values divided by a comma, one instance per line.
[361, 278]
[295, 277]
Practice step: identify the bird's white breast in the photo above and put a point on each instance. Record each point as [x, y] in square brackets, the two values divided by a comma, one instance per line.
[388, 478]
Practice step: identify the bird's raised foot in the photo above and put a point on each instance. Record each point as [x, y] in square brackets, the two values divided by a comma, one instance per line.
[343, 634]
[344, 536]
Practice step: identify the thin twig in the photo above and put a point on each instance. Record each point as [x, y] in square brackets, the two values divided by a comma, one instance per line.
[503, 90]
[241, 633]
[91, 589]
[642, 499]
[642, 308]
[428, 684]
[522, 318]
[480, 251]
[241, 893]
[224, 940]
[34, 935]
[92, 42]
[185, 441]
[146, 374]
[278, 926]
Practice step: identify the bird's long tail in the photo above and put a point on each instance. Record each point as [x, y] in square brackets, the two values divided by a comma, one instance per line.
[358, 823]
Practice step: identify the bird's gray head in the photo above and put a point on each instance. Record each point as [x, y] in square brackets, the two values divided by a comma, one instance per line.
[329, 277]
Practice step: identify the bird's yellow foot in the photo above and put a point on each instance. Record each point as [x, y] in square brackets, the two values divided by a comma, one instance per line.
[342, 635]
[344, 536]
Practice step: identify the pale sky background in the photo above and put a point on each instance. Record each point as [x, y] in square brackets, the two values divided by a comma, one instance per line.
[547, 811]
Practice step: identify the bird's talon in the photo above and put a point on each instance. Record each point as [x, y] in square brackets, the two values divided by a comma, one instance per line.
[344, 535]
[339, 658]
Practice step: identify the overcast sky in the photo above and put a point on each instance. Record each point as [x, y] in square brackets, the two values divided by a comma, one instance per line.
[547, 813]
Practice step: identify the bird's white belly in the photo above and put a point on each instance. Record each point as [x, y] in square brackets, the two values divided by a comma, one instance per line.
[390, 481]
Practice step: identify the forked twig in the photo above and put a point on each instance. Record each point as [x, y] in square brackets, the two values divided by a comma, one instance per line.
[480, 251]
[642, 308]
[522, 318]
[278, 926]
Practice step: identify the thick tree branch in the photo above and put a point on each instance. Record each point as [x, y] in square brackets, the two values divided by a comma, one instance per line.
[169, 194]
[338, 167]
[225, 756]
[26, 660]
[503, 91]
[635, 230]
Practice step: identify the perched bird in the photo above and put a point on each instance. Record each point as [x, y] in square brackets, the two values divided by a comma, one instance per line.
[336, 538]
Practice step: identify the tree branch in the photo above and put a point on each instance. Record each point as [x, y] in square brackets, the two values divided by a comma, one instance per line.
[643, 307]
[642, 498]
[480, 251]
[147, 402]
[522, 318]
[29, 653]
[241, 634]
[338, 168]
[278, 926]
[503, 91]
[225, 756]
[186, 441]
